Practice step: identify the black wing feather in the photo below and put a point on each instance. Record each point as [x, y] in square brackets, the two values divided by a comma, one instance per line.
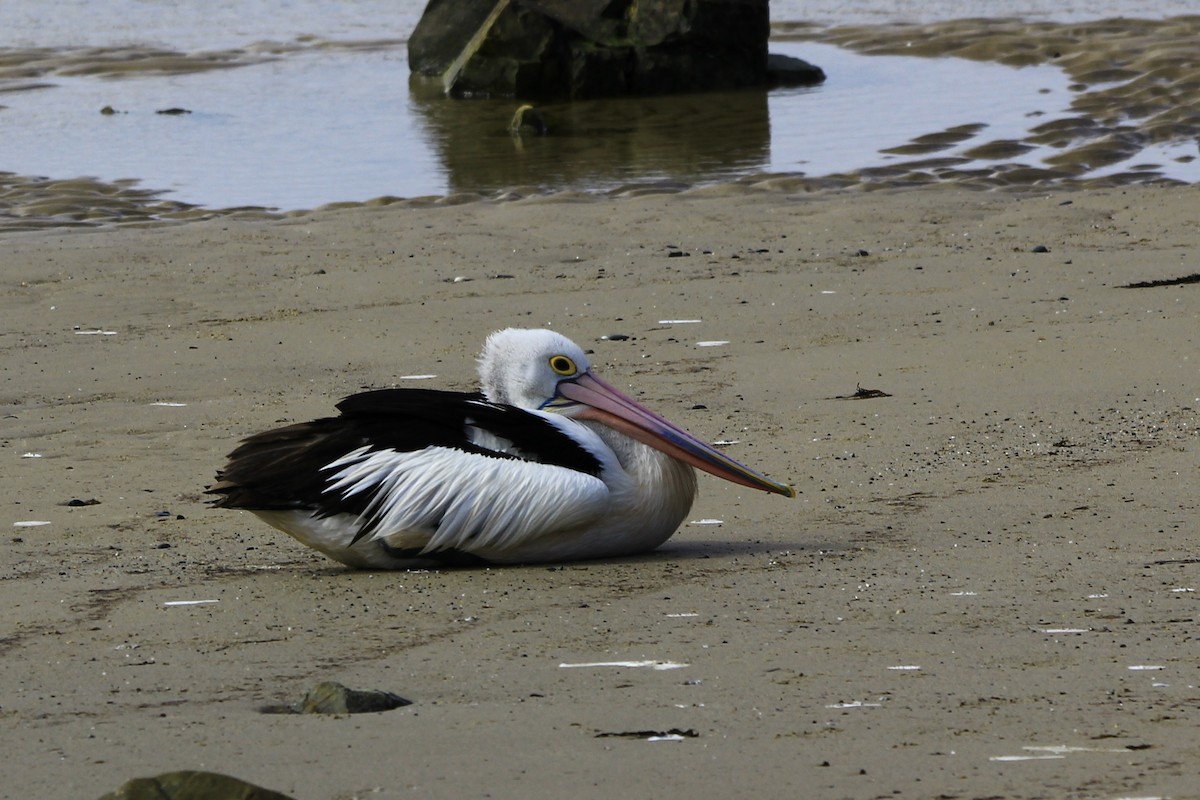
[282, 469]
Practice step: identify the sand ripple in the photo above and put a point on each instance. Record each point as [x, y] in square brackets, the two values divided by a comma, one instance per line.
[31, 203]
[1137, 84]
[24, 64]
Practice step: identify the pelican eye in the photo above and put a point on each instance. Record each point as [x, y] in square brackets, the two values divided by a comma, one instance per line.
[563, 365]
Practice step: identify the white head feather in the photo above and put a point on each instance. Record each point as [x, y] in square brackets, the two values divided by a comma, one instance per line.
[522, 367]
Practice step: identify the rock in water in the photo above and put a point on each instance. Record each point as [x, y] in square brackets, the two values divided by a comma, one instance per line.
[192, 785]
[791, 71]
[528, 120]
[540, 49]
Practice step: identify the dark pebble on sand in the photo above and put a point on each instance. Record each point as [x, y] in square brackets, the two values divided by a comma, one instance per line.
[1041, 248]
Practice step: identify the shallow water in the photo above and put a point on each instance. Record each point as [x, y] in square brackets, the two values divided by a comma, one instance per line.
[261, 135]
[323, 113]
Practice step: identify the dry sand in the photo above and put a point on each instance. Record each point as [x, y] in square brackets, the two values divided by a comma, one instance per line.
[986, 587]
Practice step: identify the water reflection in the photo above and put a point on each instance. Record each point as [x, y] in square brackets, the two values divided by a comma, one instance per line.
[598, 144]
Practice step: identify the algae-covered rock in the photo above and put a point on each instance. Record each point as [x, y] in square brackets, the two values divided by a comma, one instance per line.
[590, 48]
[192, 785]
[528, 121]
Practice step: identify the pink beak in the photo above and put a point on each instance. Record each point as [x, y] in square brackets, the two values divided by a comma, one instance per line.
[604, 403]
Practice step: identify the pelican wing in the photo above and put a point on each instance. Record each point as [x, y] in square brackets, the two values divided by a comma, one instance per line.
[463, 501]
[447, 470]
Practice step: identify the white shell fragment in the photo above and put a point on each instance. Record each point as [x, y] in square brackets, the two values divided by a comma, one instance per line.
[657, 665]
[1055, 752]
[94, 332]
[166, 404]
[416, 377]
[714, 343]
[678, 321]
[31, 523]
[189, 602]
[1063, 749]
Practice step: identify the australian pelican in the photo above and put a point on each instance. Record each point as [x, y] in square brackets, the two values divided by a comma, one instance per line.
[547, 463]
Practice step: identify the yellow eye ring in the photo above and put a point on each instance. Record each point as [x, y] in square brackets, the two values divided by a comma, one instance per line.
[563, 365]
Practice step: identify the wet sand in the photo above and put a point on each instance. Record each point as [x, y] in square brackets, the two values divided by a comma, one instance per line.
[986, 587]
[996, 559]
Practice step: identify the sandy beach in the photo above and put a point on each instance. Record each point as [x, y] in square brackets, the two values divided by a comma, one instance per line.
[977, 365]
[986, 587]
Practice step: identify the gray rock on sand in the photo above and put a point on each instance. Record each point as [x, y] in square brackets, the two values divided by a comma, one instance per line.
[331, 697]
[334, 698]
[192, 785]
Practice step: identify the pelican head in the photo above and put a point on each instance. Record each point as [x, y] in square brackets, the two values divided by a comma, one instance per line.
[523, 368]
[544, 370]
